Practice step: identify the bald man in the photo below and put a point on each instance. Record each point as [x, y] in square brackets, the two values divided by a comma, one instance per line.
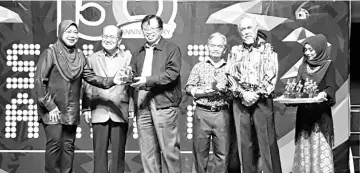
[253, 67]
[107, 109]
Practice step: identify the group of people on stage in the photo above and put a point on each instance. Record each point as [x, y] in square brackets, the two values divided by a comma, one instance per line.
[235, 88]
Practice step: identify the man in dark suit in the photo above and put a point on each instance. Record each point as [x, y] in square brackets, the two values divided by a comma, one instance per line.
[157, 66]
[107, 109]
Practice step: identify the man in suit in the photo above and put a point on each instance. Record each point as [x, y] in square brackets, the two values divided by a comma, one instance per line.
[107, 109]
[156, 65]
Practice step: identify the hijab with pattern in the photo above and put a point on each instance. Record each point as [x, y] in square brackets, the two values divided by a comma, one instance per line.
[321, 61]
[69, 61]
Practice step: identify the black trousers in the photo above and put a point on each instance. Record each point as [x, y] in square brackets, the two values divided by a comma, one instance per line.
[211, 127]
[59, 154]
[106, 132]
[262, 117]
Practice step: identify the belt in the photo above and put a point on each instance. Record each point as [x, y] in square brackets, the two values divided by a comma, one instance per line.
[213, 108]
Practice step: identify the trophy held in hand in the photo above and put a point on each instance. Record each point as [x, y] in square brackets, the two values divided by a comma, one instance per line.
[127, 76]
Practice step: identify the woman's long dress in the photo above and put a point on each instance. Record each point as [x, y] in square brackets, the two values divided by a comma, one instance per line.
[314, 131]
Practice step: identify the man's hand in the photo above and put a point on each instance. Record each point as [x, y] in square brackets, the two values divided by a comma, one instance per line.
[222, 88]
[140, 82]
[54, 115]
[250, 97]
[210, 92]
[87, 116]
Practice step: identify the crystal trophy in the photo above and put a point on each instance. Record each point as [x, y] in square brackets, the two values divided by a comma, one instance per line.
[310, 88]
[290, 89]
[127, 75]
[298, 89]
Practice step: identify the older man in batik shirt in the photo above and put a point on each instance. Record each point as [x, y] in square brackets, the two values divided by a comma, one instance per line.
[207, 84]
[253, 68]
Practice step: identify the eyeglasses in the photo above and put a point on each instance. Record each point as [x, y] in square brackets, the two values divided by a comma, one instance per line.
[219, 46]
[105, 37]
[150, 29]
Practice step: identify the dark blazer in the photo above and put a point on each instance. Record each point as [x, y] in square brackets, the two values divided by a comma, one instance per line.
[53, 90]
[164, 83]
[112, 103]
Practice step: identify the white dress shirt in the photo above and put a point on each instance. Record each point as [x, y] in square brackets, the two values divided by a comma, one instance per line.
[148, 59]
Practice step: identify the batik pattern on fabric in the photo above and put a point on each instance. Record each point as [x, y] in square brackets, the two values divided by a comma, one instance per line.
[202, 76]
[313, 154]
[254, 68]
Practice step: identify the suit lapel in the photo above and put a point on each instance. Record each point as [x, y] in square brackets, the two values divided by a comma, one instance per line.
[101, 60]
[121, 61]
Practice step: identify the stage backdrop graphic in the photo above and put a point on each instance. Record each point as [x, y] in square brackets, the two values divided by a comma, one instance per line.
[29, 27]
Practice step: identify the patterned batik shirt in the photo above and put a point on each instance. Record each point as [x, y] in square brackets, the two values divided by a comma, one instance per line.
[254, 69]
[202, 76]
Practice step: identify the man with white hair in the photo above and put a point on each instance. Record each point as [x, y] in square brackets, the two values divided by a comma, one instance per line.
[108, 109]
[207, 85]
[253, 68]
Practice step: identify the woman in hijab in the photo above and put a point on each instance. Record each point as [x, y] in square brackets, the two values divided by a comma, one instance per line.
[58, 82]
[314, 125]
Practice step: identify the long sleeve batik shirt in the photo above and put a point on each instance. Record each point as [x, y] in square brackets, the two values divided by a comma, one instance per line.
[202, 76]
[254, 69]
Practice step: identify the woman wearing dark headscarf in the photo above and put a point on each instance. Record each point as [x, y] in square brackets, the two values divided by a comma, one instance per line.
[58, 82]
[314, 126]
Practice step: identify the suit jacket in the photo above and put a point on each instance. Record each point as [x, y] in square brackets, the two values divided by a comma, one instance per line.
[164, 85]
[113, 103]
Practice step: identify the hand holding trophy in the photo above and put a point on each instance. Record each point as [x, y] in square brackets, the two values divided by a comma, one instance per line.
[126, 75]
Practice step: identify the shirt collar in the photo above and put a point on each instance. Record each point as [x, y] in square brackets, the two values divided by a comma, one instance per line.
[153, 45]
[216, 64]
[157, 45]
[257, 43]
[111, 56]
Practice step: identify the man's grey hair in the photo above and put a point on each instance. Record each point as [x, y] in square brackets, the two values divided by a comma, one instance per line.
[119, 32]
[217, 34]
[247, 17]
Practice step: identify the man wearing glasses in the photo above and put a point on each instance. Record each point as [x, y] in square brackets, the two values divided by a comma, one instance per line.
[156, 66]
[207, 85]
[107, 109]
